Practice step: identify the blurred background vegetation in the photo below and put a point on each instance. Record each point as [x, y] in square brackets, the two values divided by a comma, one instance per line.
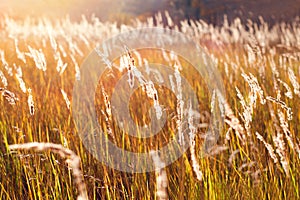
[123, 11]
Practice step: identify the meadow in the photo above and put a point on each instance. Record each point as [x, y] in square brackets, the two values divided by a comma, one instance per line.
[257, 155]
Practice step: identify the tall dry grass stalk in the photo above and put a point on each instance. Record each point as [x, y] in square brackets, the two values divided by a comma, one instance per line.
[72, 159]
[288, 92]
[180, 103]
[5, 64]
[30, 102]
[147, 85]
[268, 147]
[19, 76]
[77, 69]
[20, 55]
[60, 66]
[107, 113]
[192, 134]
[38, 57]
[231, 119]
[3, 79]
[255, 92]
[282, 152]
[283, 105]
[65, 96]
[247, 113]
[53, 42]
[161, 177]
[195, 164]
[285, 127]
[294, 82]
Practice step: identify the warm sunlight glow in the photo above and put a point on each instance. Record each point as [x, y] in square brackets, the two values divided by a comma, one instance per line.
[21, 8]
[104, 9]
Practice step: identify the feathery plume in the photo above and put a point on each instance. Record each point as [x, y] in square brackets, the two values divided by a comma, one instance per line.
[19, 76]
[65, 96]
[281, 151]
[9, 96]
[294, 82]
[38, 57]
[3, 79]
[268, 146]
[30, 102]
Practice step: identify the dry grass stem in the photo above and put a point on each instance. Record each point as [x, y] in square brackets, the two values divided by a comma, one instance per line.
[72, 159]
[161, 177]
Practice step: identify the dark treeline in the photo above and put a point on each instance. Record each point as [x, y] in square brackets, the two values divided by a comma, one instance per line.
[123, 11]
[213, 11]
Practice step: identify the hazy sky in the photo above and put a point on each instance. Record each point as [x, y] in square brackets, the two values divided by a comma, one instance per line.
[57, 7]
[123, 10]
[103, 8]
[25, 7]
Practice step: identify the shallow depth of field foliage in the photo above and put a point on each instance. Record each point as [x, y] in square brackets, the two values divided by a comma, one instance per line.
[258, 152]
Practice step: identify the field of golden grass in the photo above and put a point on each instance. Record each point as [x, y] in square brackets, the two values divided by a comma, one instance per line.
[257, 155]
